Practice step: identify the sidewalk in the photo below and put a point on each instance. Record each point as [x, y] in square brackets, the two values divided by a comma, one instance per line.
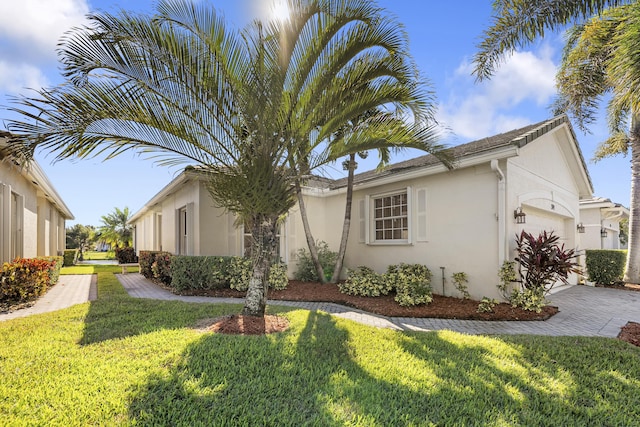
[70, 290]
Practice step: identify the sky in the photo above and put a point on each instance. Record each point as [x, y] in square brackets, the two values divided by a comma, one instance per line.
[443, 38]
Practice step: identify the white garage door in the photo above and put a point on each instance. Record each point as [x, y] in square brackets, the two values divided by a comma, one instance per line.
[538, 221]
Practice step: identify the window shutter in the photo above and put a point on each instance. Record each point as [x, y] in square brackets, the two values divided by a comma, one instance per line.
[362, 223]
[190, 228]
[421, 215]
[231, 235]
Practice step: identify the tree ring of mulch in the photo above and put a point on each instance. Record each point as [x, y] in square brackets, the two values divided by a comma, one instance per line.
[630, 333]
[238, 324]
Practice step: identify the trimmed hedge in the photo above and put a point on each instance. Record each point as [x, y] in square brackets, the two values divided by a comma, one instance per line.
[606, 266]
[26, 279]
[70, 257]
[186, 272]
[200, 272]
[146, 260]
[126, 255]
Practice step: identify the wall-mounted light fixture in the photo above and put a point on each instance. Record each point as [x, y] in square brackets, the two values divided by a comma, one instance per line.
[603, 233]
[580, 227]
[520, 216]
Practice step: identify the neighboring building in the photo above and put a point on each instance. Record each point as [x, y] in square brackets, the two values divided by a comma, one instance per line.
[600, 223]
[32, 214]
[416, 211]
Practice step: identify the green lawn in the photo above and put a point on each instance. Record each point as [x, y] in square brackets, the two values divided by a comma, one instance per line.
[94, 255]
[125, 361]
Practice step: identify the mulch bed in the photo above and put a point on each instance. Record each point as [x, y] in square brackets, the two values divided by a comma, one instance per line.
[441, 307]
[622, 287]
[630, 333]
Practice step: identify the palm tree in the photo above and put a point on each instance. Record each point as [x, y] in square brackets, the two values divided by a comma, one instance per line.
[254, 109]
[115, 228]
[600, 59]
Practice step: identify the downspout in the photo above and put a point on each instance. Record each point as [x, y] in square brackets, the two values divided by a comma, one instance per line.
[502, 223]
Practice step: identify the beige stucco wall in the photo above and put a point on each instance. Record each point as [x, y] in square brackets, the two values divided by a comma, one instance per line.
[41, 225]
[539, 180]
[594, 220]
[461, 229]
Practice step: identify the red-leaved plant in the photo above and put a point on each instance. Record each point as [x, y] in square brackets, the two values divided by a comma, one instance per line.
[543, 262]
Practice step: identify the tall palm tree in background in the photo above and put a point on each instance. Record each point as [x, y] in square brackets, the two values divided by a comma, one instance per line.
[601, 58]
[115, 228]
[256, 110]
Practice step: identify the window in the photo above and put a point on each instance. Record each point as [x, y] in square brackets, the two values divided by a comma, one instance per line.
[391, 217]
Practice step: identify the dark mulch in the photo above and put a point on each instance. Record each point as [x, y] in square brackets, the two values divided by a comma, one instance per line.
[441, 306]
[238, 324]
[622, 287]
[630, 333]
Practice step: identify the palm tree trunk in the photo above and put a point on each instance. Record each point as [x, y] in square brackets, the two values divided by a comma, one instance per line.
[346, 225]
[311, 243]
[263, 252]
[632, 271]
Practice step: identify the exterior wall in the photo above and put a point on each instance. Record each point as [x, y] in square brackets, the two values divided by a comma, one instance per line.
[594, 219]
[460, 225]
[539, 180]
[39, 230]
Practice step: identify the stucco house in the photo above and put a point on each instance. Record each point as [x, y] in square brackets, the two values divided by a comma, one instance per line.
[600, 223]
[415, 211]
[32, 213]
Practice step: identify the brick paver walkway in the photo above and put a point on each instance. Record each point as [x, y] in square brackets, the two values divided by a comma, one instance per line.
[70, 290]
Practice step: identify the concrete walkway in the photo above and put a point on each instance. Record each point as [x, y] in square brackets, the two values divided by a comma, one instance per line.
[70, 290]
[584, 311]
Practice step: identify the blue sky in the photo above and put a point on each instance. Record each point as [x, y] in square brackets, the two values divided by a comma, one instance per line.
[443, 39]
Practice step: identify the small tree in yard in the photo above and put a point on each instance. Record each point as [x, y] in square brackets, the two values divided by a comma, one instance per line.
[542, 262]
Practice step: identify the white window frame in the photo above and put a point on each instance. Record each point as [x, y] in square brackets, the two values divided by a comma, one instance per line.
[370, 202]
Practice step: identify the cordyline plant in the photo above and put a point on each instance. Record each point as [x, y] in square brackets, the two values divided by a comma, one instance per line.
[543, 262]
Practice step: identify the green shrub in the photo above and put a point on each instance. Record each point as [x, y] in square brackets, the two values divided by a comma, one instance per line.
[241, 271]
[486, 305]
[412, 283]
[542, 262]
[126, 255]
[146, 260]
[528, 299]
[606, 267]
[24, 280]
[278, 278]
[508, 277]
[306, 271]
[365, 282]
[161, 268]
[54, 270]
[460, 281]
[70, 257]
[199, 272]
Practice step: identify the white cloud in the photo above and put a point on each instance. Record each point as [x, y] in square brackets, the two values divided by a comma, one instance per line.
[16, 78]
[524, 80]
[30, 29]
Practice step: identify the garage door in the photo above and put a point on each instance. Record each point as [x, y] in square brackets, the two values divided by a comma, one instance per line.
[539, 221]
